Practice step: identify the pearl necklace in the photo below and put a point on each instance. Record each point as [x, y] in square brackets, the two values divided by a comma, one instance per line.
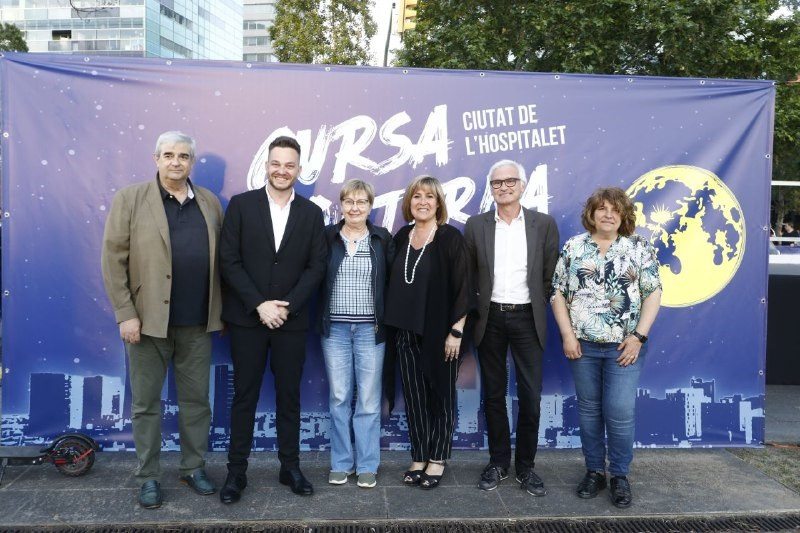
[408, 251]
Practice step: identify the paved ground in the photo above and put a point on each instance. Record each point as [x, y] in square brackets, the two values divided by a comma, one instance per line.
[666, 482]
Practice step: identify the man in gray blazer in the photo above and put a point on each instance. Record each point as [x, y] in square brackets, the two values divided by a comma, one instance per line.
[161, 273]
[513, 253]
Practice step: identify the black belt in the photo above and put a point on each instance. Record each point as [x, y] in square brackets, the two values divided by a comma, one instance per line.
[509, 307]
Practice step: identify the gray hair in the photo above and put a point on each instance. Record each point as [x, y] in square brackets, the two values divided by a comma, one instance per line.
[508, 162]
[174, 137]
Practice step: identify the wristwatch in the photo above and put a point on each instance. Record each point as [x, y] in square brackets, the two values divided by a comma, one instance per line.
[455, 333]
[642, 338]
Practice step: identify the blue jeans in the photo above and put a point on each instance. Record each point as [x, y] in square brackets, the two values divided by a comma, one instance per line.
[351, 350]
[606, 405]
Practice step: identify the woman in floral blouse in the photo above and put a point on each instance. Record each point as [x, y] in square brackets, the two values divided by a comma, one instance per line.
[606, 295]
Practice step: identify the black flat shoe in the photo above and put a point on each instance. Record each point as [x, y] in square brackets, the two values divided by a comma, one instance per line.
[231, 491]
[592, 483]
[621, 492]
[412, 477]
[296, 481]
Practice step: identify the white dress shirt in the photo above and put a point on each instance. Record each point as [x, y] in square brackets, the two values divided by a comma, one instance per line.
[279, 215]
[510, 284]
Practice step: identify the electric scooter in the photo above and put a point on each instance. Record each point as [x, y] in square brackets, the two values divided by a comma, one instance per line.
[71, 453]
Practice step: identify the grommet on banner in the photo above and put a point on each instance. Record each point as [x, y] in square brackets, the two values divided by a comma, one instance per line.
[482, 74]
[767, 156]
[327, 69]
[405, 71]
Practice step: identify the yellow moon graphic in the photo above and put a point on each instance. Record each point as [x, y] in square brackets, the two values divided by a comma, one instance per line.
[697, 226]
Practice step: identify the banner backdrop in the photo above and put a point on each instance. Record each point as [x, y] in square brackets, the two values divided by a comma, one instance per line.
[694, 154]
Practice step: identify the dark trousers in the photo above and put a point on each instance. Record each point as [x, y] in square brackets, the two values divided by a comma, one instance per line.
[250, 348]
[515, 328]
[429, 409]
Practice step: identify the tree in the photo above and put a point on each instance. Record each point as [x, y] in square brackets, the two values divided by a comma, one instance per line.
[744, 39]
[323, 31]
[11, 39]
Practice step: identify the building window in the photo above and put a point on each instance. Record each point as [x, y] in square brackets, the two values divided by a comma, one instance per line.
[61, 35]
[259, 58]
[252, 9]
[256, 41]
[255, 25]
[176, 48]
[180, 19]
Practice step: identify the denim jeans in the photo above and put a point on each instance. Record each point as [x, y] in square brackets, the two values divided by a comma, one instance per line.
[350, 350]
[606, 405]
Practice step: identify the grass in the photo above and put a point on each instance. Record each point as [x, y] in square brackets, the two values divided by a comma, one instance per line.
[781, 462]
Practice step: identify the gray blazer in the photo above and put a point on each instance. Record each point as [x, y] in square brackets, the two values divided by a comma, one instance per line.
[136, 258]
[542, 236]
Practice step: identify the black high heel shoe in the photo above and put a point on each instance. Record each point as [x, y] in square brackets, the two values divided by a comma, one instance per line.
[428, 481]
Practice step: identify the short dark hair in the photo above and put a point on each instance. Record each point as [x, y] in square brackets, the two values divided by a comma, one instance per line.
[284, 141]
[621, 203]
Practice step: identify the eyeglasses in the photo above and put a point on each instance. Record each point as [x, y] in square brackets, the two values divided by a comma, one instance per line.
[361, 204]
[510, 183]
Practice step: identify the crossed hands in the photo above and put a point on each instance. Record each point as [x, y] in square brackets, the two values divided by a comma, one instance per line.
[273, 313]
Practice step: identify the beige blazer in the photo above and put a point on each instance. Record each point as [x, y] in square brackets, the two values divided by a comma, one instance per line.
[136, 258]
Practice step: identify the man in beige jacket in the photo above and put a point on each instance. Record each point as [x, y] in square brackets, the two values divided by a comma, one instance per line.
[161, 274]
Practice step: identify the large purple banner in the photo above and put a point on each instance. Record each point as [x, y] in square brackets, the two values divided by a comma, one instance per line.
[694, 154]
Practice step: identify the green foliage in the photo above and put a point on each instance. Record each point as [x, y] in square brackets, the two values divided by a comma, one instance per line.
[323, 31]
[11, 39]
[743, 39]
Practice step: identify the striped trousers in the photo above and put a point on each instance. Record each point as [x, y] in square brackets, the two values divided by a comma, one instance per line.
[429, 409]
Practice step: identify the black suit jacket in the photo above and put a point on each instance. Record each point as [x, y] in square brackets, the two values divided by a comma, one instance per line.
[541, 233]
[254, 271]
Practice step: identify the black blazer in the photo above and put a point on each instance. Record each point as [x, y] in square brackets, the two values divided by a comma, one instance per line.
[252, 269]
[541, 233]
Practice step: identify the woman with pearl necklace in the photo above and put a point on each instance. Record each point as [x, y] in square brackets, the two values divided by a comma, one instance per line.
[426, 305]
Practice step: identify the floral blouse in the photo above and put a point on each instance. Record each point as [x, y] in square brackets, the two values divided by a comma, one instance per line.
[604, 294]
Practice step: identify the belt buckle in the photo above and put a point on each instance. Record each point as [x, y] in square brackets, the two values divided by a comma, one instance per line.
[507, 307]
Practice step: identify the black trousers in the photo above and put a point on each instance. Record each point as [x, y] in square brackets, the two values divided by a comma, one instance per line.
[430, 410]
[250, 348]
[514, 328]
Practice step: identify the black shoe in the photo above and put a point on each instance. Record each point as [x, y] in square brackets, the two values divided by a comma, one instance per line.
[621, 492]
[296, 481]
[150, 494]
[429, 481]
[531, 482]
[231, 491]
[591, 484]
[491, 477]
[199, 482]
[412, 477]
